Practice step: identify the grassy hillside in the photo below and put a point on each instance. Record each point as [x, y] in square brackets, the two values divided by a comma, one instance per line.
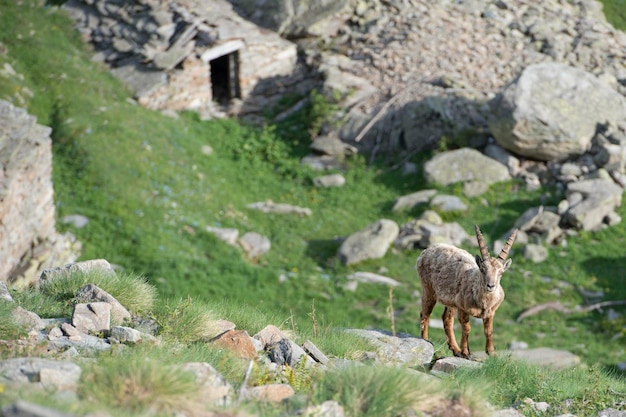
[149, 192]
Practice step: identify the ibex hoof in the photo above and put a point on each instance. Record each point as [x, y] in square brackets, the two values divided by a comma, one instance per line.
[460, 354]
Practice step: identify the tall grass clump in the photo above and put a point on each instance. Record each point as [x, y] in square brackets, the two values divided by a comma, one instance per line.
[9, 329]
[131, 290]
[185, 320]
[372, 391]
[138, 384]
[579, 391]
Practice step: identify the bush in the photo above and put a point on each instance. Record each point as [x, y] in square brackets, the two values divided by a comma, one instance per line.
[376, 391]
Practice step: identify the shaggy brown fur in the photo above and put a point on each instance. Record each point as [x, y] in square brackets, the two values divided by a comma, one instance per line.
[463, 284]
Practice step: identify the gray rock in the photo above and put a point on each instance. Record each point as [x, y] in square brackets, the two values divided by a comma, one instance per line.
[422, 233]
[528, 219]
[126, 334]
[535, 253]
[227, 235]
[451, 364]
[551, 111]
[507, 412]
[321, 162]
[372, 278]
[332, 146]
[279, 208]
[558, 359]
[91, 292]
[77, 220]
[516, 345]
[600, 199]
[215, 389]
[47, 373]
[92, 317]
[283, 350]
[409, 201]
[5, 294]
[474, 188]
[269, 393]
[448, 203]
[463, 165]
[99, 265]
[611, 412]
[290, 18]
[370, 243]
[328, 408]
[22, 408]
[504, 157]
[143, 81]
[254, 244]
[27, 319]
[82, 343]
[167, 60]
[402, 349]
[327, 181]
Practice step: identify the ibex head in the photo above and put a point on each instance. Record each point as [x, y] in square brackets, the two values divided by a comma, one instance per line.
[492, 269]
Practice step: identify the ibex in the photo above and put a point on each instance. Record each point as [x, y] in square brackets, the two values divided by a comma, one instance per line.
[465, 284]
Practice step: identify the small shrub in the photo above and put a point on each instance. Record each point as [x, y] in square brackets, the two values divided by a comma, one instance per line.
[9, 329]
[376, 391]
[186, 321]
[510, 381]
[138, 384]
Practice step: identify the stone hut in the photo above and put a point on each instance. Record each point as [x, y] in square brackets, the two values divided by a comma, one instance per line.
[188, 54]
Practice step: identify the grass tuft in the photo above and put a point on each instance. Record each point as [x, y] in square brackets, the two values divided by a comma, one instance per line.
[136, 383]
[9, 329]
[132, 291]
[186, 321]
[376, 391]
[579, 391]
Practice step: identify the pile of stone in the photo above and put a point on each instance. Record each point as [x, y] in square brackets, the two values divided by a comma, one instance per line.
[434, 65]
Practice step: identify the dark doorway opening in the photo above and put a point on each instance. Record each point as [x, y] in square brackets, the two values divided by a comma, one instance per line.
[225, 78]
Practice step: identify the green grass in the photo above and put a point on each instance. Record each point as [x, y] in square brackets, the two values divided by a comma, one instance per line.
[615, 12]
[580, 391]
[132, 382]
[373, 391]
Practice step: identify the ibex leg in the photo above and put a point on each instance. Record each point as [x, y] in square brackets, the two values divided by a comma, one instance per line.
[464, 319]
[448, 328]
[488, 323]
[427, 308]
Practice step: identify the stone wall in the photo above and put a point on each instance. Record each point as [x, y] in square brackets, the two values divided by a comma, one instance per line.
[29, 242]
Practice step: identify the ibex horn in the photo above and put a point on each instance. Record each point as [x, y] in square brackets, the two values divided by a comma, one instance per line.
[504, 253]
[484, 252]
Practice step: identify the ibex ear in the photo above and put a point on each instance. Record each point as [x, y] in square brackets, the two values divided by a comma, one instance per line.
[479, 260]
[507, 263]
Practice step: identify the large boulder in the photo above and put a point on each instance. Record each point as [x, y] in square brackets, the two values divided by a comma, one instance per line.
[370, 243]
[464, 165]
[551, 111]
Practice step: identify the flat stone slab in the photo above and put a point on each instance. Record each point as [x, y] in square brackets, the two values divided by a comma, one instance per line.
[558, 359]
[401, 349]
[451, 364]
